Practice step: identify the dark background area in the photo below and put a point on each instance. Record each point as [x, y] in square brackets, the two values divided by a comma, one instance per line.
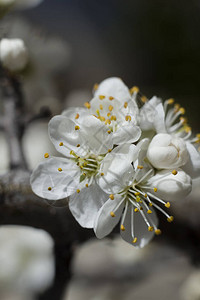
[152, 44]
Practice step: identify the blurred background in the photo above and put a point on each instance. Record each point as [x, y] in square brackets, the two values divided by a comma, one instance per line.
[72, 45]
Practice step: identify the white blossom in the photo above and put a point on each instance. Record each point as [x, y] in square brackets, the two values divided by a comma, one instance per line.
[13, 54]
[131, 195]
[83, 140]
[114, 106]
[169, 119]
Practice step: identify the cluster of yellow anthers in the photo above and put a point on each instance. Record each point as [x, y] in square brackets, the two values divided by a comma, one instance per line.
[137, 196]
[105, 112]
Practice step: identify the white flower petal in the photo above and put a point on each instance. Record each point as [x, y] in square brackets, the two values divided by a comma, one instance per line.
[104, 222]
[169, 186]
[148, 113]
[159, 119]
[95, 135]
[62, 184]
[126, 133]
[117, 169]
[192, 167]
[62, 129]
[114, 87]
[140, 227]
[76, 114]
[85, 205]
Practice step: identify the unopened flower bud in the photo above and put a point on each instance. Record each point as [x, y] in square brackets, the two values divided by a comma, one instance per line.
[167, 152]
[13, 54]
[170, 187]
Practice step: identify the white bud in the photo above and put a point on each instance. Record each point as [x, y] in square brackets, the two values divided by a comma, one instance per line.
[13, 54]
[166, 151]
[171, 187]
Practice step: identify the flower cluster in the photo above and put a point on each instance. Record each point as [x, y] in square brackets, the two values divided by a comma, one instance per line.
[123, 156]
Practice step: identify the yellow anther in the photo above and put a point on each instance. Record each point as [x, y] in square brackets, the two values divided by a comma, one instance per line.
[122, 227]
[150, 204]
[102, 174]
[182, 110]
[61, 144]
[111, 98]
[108, 115]
[167, 204]
[109, 131]
[140, 167]
[138, 199]
[183, 120]
[78, 145]
[113, 118]
[101, 106]
[112, 214]
[102, 118]
[49, 188]
[187, 129]
[107, 121]
[170, 219]
[134, 89]
[109, 150]
[128, 118]
[87, 105]
[136, 209]
[78, 191]
[145, 195]
[95, 87]
[158, 232]
[155, 189]
[46, 155]
[77, 127]
[137, 194]
[77, 116]
[170, 101]
[97, 112]
[134, 240]
[174, 172]
[101, 97]
[110, 107]
[60, 169]
[150, 228]
[176, 107]
[144, 99]
[111, 197]
[149, 211]
[125, 104]
[86, 185]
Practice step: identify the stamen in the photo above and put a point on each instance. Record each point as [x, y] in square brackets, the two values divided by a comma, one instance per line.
[125, 104]
[87, 105]
[167, 204]
[158, 231]
[110, 107]
[101, 97]
[60, 169]
[78, 145]
[174, 172]
[102, 174]
[77, 116]
[124, 216]
[111, 197]
[155, 189]
[61, 144]
[112, 214]
[113, 118]
[86, 185]
[95, 87]
[101, 106]
[150, 228]
[111, 98]
[134, 89]
[128, 118]
[46, 155]
[78, 191]
[77, 127]
[134, 240]
[170, 219]
[49, 188]
[140, 167]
